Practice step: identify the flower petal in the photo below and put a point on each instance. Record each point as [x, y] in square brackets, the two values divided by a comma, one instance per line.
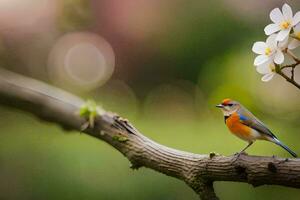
[261, 59]
[264, 68]
[297, 28]
[283, 44]
[294, 44]
[271, 41]
[271, 28]
[259, 47]
[267, 77]
[283, 34]
[296, 19]
[276, 16]
[287, 12]
[279, 57]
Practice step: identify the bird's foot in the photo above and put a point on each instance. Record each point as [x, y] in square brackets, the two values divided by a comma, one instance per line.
[238, 154]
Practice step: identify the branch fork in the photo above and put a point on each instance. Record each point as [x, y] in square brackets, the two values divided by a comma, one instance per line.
[279, 69]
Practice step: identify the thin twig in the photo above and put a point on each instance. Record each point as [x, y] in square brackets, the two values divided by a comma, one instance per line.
[287, 78]
[290, 66]
[293, 73]
[279, 69]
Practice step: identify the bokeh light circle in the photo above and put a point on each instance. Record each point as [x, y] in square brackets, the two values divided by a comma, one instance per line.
[81, 61]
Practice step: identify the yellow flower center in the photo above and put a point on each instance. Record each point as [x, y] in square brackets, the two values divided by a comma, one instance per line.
[285, 25]
[272, 67]
[268, 51]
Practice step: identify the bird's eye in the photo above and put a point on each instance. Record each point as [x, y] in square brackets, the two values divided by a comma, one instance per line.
[230, 104]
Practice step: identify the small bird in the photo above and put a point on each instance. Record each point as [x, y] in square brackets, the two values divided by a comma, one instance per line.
[246, 126]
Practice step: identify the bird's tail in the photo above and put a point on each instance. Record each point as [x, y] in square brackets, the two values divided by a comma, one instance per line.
[276, 141]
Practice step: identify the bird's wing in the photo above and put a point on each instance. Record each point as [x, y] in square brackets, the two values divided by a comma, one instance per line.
[248, 119]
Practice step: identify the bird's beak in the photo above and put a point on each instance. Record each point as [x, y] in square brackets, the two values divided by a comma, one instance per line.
[219, 106]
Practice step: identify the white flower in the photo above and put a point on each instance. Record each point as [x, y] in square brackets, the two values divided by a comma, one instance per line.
[283, 22]
[267, 69]
[269, 51]
[296, 41]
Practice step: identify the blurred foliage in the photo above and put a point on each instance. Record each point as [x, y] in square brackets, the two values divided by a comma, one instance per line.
[75, 15]
[205, 38]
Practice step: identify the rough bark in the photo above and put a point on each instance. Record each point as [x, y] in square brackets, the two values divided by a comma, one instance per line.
[197, 171]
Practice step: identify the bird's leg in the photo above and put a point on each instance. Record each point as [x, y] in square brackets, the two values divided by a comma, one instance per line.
[244, 149]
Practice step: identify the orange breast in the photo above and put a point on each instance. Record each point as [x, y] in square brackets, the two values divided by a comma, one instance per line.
[240, 130]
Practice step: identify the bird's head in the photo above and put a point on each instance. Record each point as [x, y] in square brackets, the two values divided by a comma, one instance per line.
[228, 106]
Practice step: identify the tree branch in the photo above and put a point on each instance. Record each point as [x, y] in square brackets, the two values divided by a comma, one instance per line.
[197, 171]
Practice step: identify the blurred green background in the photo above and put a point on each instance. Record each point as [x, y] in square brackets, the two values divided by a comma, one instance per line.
[163, 65]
